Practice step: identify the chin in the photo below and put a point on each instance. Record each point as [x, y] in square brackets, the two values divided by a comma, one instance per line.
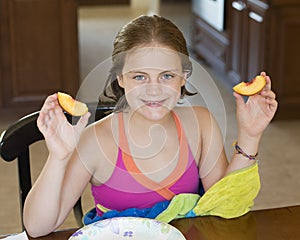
[156, 114]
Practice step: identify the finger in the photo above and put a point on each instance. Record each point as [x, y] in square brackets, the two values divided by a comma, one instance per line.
[60, 114]
[272, 103]
[51, 98]
[43, 118]
[52, 115]
[41, 121]
[83, 121]
[47, 107]
[52, 120]
[267, 87]
[239, 100]
[268, 94]
[263, 74]
[49, 103]
[270, 100]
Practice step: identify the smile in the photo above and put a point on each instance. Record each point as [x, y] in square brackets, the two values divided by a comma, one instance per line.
[153, 103]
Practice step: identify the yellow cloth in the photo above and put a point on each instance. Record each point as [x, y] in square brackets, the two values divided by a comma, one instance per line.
[231, 197]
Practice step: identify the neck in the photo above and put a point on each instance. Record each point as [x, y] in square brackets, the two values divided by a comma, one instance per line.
[147, 137]
[133, 119]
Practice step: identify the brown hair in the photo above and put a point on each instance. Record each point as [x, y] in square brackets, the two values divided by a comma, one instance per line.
[143, 31]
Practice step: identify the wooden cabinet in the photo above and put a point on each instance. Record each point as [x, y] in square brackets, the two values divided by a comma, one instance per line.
[264, 36]
[248, 41]
[284, 57]
[238, 49]
[208, 43]
[257, 40]
[39, 51]
[102, 2]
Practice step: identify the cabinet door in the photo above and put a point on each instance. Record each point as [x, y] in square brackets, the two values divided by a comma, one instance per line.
[284, 58]
[39, 50]
[238, 41]
[256, 48]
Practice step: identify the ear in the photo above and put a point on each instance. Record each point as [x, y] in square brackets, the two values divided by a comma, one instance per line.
[183, 79]
[186, 74]
[120, 81]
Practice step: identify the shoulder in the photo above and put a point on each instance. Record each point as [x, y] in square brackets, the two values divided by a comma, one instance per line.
[98, 142]
[194, 120]
[103, 127]
[194, 115]
[189, 109]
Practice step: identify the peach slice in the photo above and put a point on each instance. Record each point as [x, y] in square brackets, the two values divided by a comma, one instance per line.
[250, 88]
[70, 105]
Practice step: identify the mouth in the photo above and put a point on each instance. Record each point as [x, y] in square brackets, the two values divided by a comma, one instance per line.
[153, 104]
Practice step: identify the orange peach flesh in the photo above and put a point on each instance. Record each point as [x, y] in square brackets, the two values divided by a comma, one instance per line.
[250, 88]
[71, 106]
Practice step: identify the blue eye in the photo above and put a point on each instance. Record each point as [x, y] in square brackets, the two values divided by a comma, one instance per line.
[167, 76]
[139, 77]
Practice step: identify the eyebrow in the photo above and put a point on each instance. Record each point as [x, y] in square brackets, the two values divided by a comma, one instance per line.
[138, 71]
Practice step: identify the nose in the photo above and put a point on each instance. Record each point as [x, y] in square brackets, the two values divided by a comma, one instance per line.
[153, 89]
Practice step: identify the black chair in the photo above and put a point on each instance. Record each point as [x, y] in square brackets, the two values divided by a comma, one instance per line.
[15, 143]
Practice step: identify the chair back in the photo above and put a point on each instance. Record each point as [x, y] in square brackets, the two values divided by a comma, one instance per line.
[17, 138]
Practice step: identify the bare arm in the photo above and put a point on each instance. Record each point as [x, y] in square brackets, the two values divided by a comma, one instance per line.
[253, 117]
[52, 196]
[213, 161]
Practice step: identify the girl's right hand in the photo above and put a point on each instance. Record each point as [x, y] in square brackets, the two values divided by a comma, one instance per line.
[60, 136]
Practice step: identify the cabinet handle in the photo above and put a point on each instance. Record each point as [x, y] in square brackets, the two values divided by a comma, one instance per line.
[256, 17]
[238, 5]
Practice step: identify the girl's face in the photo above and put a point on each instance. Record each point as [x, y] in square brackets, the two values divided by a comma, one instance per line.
[152, 78]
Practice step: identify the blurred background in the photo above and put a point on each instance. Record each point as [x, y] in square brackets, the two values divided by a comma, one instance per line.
[52, 45]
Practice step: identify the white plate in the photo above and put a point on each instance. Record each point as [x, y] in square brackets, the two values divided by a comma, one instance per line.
[130, 228]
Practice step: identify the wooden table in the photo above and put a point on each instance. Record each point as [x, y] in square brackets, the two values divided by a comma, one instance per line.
[271, 224]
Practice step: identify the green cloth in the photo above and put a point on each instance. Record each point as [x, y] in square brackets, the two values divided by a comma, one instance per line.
[231, 197]
[179, 206]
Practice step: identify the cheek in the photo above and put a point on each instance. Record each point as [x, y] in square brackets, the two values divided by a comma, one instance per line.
[175, 89]
[132, 92]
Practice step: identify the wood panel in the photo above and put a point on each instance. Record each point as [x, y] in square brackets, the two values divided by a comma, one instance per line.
[102, 2]
[284, 59]
[39, 49]
[263, 36]
[209, 44]
[257, 33]
[238, 43]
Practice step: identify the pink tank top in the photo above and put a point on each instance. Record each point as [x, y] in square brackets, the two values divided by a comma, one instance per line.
[127, 187]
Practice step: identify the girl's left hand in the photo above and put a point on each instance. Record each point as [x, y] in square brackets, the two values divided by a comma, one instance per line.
[254, 115]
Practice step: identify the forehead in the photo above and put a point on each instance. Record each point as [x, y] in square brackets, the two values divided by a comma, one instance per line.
[159, 58]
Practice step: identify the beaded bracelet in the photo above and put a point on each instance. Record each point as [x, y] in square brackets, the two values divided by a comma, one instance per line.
[239, 150]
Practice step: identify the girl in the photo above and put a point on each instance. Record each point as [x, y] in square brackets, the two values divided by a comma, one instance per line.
[149, 149]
